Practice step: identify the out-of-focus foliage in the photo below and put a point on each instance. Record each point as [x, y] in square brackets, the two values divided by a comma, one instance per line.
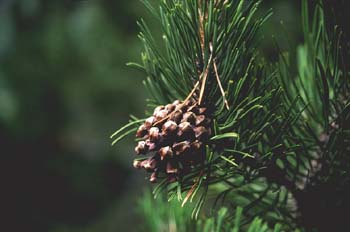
[170, 216]
[160, 215]
[322, 83]
[63, 86]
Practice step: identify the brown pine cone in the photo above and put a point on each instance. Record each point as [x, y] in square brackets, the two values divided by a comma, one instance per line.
[176, 135]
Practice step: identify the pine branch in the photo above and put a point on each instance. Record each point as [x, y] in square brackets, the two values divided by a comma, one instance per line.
[213, 47]
[322, 85]
[265, 128]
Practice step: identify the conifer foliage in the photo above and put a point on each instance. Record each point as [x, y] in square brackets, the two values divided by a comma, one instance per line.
[226, 123]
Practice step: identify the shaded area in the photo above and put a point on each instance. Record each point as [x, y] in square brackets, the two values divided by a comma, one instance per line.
[63, 85]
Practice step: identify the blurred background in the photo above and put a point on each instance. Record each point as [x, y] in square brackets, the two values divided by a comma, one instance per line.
[64, 89]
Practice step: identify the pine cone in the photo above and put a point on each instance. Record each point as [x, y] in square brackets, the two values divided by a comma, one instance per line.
[176, 135]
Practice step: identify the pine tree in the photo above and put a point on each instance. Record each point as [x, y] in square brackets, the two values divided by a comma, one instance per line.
[268, 141]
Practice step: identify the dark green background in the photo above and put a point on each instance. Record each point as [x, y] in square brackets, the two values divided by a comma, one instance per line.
[64, 89]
